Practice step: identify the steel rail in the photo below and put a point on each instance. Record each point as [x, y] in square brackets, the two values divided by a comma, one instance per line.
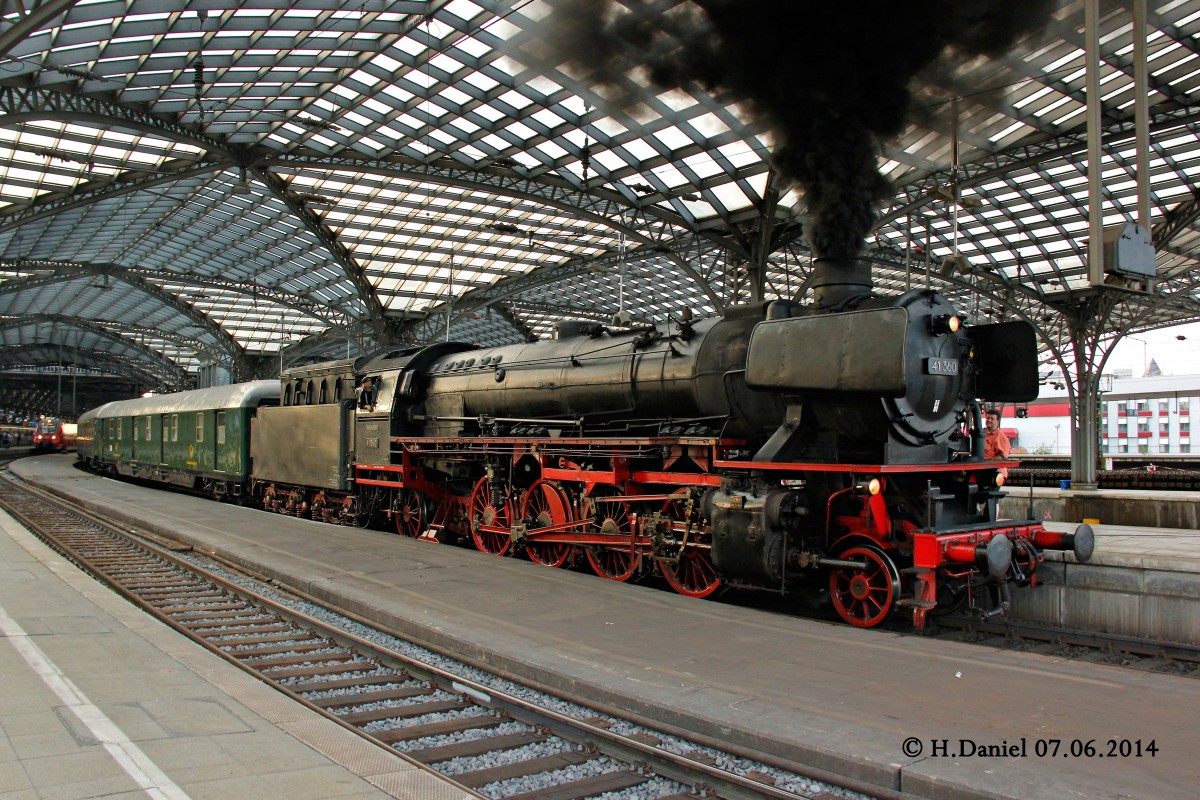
[1148, 650]
[644, 755]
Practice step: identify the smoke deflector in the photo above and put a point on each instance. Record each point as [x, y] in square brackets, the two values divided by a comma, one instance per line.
[1005, 361]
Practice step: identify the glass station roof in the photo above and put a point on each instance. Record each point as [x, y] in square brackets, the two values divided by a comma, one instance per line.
[187, 183]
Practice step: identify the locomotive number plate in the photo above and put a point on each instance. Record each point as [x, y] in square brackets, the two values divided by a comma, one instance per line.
[941, 366]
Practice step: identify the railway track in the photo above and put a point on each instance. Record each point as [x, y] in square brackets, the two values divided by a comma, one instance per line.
[492, 742]
[1101, 648]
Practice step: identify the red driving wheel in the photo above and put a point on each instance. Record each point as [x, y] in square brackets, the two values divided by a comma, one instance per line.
[490, 524]
[546, 504]
[865, 597]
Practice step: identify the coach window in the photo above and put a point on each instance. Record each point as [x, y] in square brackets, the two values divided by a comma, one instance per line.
[149, 430]
[120, 429]
[135, 429]
[166, 428]
[174, 427]
[110, 428]
[199, 427]
[220, 427]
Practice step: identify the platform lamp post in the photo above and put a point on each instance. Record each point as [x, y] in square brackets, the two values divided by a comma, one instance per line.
[1056, 427]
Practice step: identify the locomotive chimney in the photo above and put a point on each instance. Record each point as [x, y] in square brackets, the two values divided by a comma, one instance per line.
[836, 280]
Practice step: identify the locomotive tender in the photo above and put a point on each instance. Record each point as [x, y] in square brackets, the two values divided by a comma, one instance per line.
[779, 442]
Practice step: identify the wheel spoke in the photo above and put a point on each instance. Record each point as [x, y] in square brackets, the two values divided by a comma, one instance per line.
[486, 518]
[610, 517]
[408, 513]
[694, 574]
[865, 597]
[546, 505]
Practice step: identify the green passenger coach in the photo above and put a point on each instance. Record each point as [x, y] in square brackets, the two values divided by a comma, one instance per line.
[199, 438]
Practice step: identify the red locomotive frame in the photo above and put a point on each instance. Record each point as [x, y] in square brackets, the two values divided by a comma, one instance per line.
[625, 520]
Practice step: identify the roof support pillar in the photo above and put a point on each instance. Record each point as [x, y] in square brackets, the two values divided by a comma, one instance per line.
[1085, 436]
[1095, 254]
[762, 245]
[1141, 106]
[1086, 327]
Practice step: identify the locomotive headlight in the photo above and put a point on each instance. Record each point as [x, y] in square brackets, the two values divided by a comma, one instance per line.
[871, 487]
[944, 323]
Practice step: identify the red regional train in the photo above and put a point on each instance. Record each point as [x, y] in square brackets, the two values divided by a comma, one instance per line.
[54, 434]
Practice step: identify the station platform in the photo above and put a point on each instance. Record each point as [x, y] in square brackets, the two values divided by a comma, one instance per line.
[901, 712]
[98, 699]
[1138, 508]
[1143, 580]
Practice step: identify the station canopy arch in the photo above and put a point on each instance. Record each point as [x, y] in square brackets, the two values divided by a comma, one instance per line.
[249, 184]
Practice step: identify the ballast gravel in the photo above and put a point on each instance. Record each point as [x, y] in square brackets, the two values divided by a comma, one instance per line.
[783, 779]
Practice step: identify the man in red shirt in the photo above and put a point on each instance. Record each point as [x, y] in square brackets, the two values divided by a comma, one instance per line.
[995, 445]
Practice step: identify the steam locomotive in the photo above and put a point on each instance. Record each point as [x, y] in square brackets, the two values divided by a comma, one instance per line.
[766, 448]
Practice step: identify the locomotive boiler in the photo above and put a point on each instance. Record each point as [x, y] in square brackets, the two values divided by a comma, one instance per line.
[765, 448]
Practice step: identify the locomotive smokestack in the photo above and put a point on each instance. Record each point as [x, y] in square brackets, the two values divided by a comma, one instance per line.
[836, 280]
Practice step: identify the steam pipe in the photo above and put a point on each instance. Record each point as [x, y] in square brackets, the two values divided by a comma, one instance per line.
[977, 435]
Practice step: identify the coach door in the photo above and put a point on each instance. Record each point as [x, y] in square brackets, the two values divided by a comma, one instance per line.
[152, 439]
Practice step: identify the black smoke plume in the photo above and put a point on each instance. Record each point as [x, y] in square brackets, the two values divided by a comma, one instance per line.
[830, 79]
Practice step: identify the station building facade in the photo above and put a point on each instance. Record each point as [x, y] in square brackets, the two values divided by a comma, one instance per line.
[1150, 416]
